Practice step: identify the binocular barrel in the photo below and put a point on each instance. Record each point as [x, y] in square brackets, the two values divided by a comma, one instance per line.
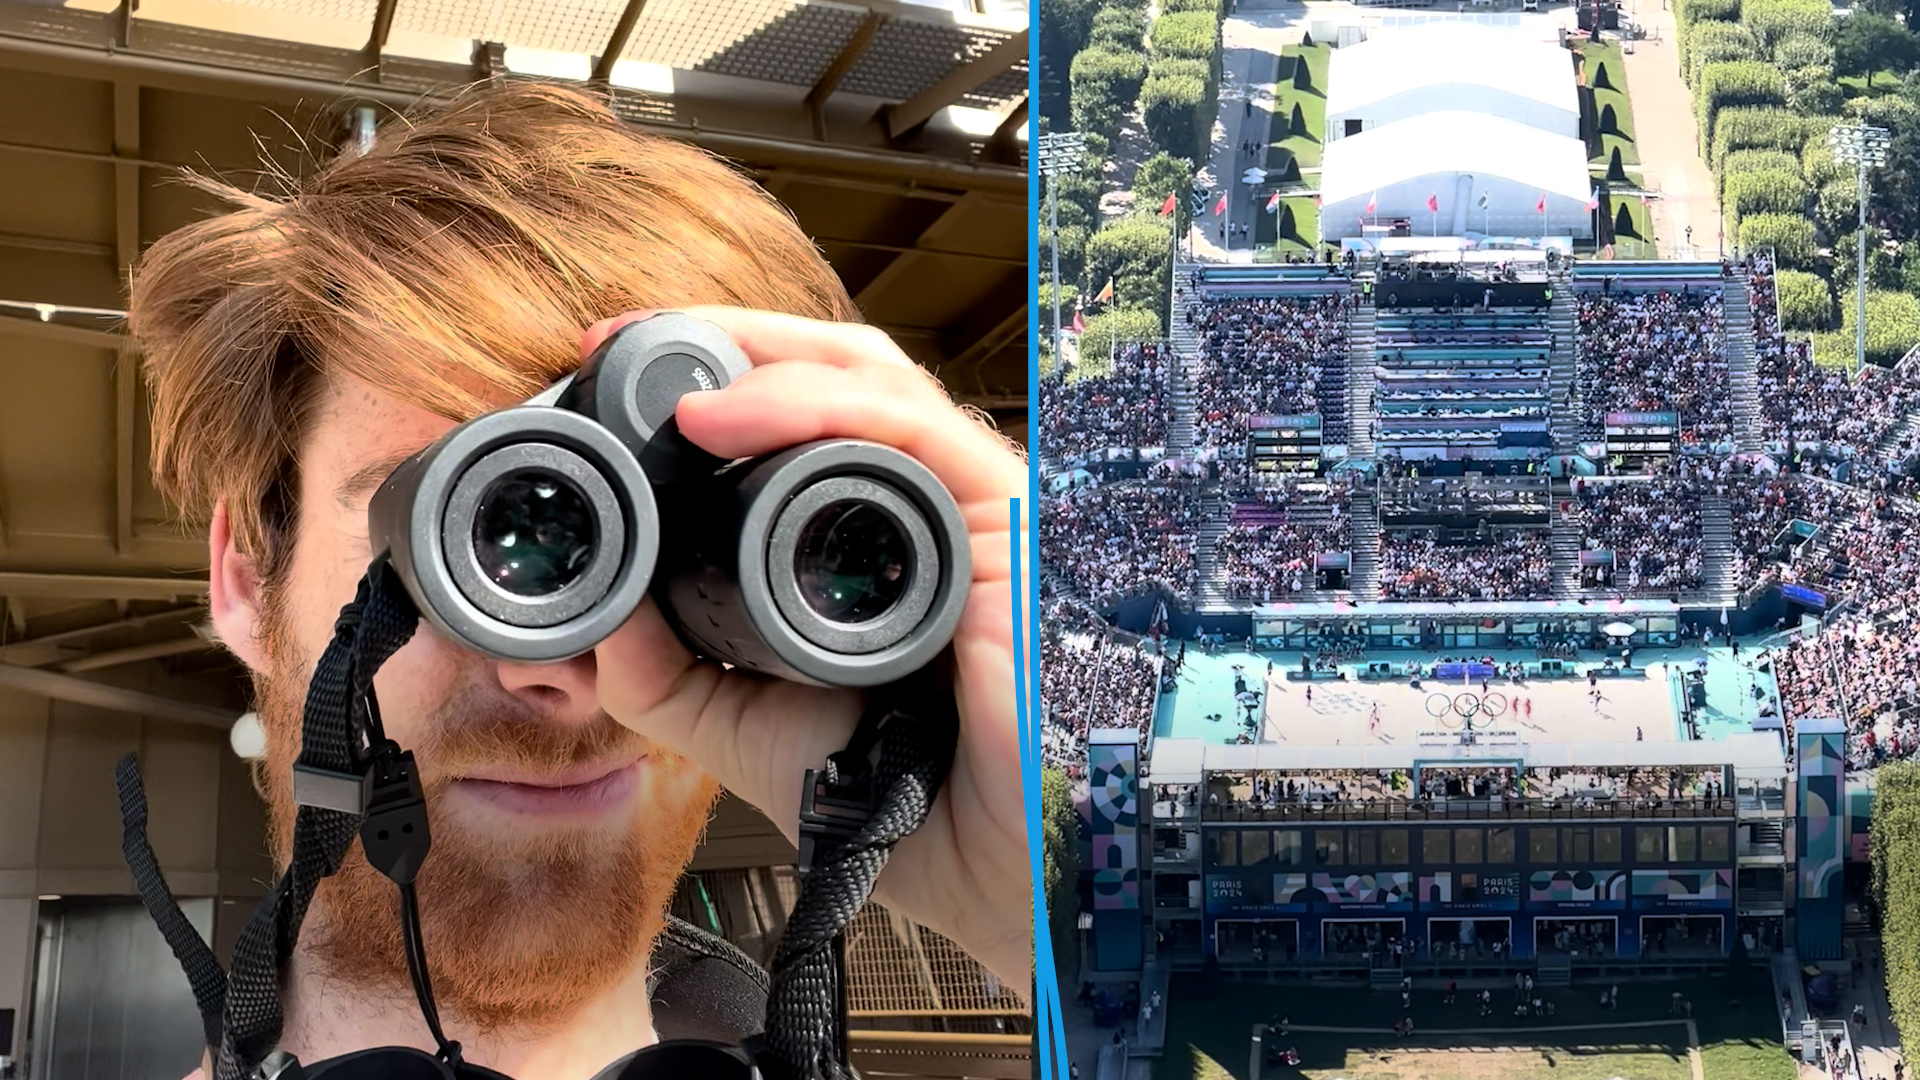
[532, 533]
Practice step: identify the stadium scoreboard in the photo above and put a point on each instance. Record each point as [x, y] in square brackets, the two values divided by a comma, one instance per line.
[1284, 443]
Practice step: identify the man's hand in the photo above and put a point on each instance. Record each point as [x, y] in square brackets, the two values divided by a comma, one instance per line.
[965, 873]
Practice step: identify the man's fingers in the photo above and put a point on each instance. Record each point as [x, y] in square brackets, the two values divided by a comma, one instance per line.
[787, 404]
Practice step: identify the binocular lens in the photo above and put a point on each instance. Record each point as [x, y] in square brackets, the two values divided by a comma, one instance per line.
[533, 532]
[852, 562]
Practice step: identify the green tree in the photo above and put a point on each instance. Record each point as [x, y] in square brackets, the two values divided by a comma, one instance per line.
[1159, 176]
[1060, 854]
[1893, 324]
[1867, 43]
[1117, 324]
[1136, 252]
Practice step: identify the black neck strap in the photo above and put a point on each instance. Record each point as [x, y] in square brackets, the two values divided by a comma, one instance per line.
[351, 780]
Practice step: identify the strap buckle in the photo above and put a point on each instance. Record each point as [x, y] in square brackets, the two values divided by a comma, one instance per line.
[831, 815]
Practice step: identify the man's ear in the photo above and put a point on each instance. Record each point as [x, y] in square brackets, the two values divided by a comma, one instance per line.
[233, 593]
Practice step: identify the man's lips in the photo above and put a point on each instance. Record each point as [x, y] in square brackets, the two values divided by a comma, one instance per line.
[584, 789]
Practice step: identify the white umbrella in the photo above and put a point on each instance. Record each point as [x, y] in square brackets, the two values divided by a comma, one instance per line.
[1254, 176]
[1618, 629]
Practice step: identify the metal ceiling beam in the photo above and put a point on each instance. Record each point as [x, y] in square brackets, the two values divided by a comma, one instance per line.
[904, 118]
[617, 41]
[126, 373]
[133, 654]
[10, 654]
[376, 46]
[60, 332]
[816, 100]
[980, 340]
[904, 260]
[944, 253]
[50, 684]
[99, 586]
[56, 247]
[53, 58]
[126, 201]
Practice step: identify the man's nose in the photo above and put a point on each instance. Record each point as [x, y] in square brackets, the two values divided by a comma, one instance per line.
[565, 691]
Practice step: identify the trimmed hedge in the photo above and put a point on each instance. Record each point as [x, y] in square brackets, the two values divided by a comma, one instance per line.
[1170, 7]
[1790, 236]
[1194, 35]
[1817, 163]
[1742, 128]
[1119, 29]
[1161, 175]
[1770, 191]
[1896, 888]
[1818, 97]
[1118, 324]
[1105, 83]
[1691, 12]
[1893, 325]
[1752, 161]
[1805, 302]
[1713, 43]
[1177, 107]
[1737, 82]
[1773, 20]
[1802, 51]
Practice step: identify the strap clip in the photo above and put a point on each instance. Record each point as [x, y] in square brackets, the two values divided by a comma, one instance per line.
[830, 815]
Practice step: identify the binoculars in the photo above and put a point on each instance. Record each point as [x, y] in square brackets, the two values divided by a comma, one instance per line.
[533, 532]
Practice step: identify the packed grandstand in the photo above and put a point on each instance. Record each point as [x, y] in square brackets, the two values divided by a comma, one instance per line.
[1666, 443]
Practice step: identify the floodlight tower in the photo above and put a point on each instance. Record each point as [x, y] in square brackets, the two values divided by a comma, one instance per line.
[1060, 154]
[1863, 146]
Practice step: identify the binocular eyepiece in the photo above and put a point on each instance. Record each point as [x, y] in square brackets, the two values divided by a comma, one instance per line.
[533, 532]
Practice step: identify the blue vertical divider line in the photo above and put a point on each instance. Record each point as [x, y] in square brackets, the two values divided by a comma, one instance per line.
[1049, 1026]
[1050, 1038]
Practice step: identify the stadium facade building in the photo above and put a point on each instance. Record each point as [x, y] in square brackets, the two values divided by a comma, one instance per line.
[1195, 858]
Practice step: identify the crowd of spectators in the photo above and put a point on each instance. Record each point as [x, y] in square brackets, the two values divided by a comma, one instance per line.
[1092, 680]
[1110, 541]
[1861, 666]
[1761, 506]
[1267, 356]
[1505, 564]
[1656, 352]
[1653, 528]
[1129, 407]
[1802, 403]
[1270, 545]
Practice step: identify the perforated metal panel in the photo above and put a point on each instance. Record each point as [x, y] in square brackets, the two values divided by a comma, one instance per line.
[908, 56]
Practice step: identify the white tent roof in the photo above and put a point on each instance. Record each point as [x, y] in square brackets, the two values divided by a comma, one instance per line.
[1450, 143]
[1433, 57]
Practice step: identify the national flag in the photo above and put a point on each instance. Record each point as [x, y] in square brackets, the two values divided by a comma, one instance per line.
[1593, 200]
[1483, 200]
[1106, 294]
[1166, 208]
[1372, 201]
[1221, 206]
[1079, 323]
[1541, 206]
[1273, 204]
[1433, 202]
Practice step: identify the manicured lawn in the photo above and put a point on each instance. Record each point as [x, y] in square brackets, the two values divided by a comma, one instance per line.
[1884, 82]
[1608, 55]
[1306, 227]
[1640, 245]
[1207, 1036]
[1312, 103]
